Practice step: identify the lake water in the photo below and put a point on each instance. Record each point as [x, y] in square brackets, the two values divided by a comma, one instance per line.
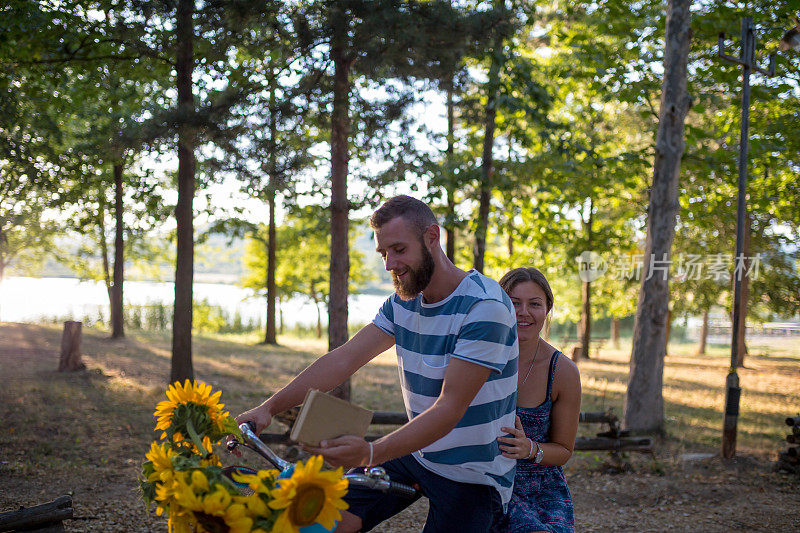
[25, 299]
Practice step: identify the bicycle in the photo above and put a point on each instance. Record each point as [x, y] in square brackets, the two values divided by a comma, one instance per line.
[374, 478]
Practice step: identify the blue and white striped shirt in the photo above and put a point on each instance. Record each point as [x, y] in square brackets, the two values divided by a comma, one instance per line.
[475, 323]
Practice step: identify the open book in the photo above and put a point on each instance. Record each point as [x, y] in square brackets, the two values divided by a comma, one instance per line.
[324, 416]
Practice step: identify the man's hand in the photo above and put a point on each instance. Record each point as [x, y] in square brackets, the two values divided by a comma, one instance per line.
[260, 418]
[348, 451]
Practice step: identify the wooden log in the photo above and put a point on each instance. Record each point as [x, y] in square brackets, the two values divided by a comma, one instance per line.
[389, 417]
[71, 348]
[787, 467]
[793, 420]
[283, 438]
[629, 444]
[785, 457]
[46, 516]
[588, 417]
[614, 434]
[597, 417]
[398, 418]
[275, 438]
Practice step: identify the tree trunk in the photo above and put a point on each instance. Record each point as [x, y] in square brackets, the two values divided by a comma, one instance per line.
[586, 292]
[487, 171]
[101, 242]
[667, 331]
[743, 268]
[449, 226]
[319, 313]
[701, 347]
[184, 263]
[269, 334]
[280, 318]
[4, 260]
[487, 160]
[644, 402]
[586, 319]
[615, 332]
[117, 317]
[340, 260]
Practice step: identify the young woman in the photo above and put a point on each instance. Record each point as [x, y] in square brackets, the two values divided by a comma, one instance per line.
[548, 406]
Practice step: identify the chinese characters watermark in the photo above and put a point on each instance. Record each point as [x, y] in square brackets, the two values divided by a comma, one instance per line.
[683, 267]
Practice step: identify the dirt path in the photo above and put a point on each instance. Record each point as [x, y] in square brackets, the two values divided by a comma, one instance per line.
[84, 434]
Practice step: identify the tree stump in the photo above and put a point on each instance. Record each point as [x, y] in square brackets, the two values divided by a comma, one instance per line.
[71, 348]
[577, 353]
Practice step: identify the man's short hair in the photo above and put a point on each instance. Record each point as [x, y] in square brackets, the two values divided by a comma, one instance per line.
[415, 212]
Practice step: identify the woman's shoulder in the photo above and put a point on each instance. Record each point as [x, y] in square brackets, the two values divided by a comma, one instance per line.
[566, 372]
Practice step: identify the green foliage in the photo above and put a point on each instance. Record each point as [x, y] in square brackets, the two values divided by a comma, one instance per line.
[303, 256]
[574, 87]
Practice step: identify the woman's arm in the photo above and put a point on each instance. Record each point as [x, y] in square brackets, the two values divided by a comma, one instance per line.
[566, 396]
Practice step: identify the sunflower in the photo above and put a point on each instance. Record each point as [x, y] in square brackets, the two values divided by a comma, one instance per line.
[309, 496]
[214, 510]
[197, 393]
[191, 409]
[179, 522]
[160, 455]
[261, 483]
[159, 474]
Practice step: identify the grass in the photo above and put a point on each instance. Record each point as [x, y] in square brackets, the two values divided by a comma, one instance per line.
[126, 378]
[694, 392]
[85, 433]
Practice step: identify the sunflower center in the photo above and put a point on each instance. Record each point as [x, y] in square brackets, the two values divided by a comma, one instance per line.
[307, 505]
[211, 523]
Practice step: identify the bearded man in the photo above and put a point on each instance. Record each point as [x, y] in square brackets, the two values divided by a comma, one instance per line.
[457, 351]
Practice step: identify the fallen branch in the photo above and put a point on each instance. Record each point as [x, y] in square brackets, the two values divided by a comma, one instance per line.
[39, 516]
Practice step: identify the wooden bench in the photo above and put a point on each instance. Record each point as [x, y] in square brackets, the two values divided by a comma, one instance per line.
[595, 343]
[613, 439]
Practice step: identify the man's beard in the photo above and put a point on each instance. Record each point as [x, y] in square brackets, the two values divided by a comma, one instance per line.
[416, 279]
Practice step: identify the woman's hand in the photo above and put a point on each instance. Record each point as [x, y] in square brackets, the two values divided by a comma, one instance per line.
[517, 446]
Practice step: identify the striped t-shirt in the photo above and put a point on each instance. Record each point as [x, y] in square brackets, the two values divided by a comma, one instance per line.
[475, 323]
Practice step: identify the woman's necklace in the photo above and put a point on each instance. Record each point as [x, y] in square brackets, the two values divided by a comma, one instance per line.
[533, 360]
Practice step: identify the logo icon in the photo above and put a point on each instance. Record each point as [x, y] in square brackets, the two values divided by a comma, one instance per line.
[590, 266]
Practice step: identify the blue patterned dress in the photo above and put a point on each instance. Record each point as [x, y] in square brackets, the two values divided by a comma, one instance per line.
[541, 500]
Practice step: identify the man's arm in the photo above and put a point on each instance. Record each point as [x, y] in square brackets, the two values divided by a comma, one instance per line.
[323, 374]
[462, 381]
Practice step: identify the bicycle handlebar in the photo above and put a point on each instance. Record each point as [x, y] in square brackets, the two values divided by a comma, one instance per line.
[254, 443]
[373, 478]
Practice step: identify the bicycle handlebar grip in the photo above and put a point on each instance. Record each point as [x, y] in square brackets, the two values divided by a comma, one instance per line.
[402, 490]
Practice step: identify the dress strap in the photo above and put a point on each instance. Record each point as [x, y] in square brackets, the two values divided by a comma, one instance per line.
[551, 374]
